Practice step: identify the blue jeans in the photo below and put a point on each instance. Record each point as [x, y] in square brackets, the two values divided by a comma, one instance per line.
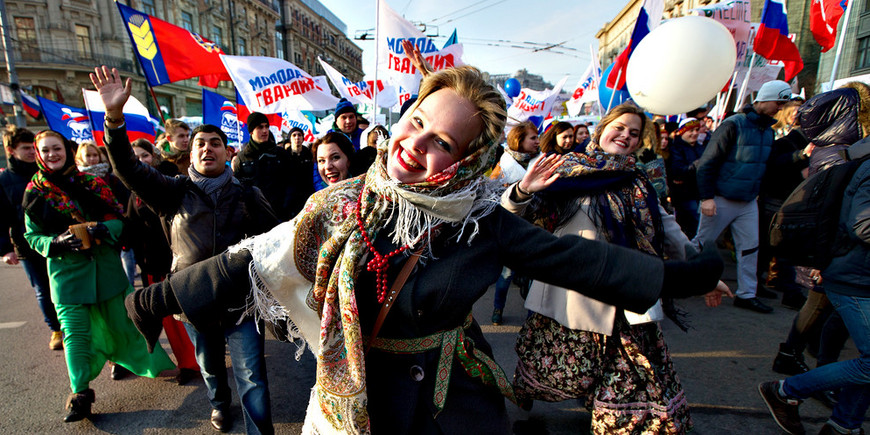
[249, 368]
[852, 377]
[501, 288]
[37, 272]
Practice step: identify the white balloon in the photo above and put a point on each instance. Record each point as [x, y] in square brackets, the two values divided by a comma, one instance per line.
[681, 65]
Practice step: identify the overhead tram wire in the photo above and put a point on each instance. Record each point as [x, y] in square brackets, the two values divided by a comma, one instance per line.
[459, 10]
[475, 11]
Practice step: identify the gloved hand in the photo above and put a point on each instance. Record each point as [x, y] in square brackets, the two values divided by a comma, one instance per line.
[98, 231]
[697, 275]
[64, 242]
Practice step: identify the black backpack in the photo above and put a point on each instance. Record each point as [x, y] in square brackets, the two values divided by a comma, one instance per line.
[805, 230]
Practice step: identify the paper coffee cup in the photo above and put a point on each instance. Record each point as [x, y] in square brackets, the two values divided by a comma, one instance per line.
[81, 231]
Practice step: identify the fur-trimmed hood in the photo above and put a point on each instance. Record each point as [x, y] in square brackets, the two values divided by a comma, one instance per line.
[841, 116]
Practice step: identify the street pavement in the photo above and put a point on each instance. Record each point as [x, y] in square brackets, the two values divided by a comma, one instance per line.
[720, 361]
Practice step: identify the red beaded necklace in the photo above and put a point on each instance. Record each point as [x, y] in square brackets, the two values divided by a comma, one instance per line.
[379, 263]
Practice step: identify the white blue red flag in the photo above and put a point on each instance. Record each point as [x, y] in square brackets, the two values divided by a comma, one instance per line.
[824, 17]
[772, 41]
[30, 104]
[71, 122]
[220, 111]
[136, 117]
[648, 19]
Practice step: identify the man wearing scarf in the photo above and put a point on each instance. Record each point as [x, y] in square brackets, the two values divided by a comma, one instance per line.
[204, 213]
[271, 168]
[20, 167]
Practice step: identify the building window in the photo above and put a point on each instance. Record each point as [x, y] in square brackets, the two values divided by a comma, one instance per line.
[26, 30]
[243, 47]
[297, 59]
[264, 52]
[279, 45]
[83, 41]
[862, 57]
[217, 36]
[187, 21]
[148, 7]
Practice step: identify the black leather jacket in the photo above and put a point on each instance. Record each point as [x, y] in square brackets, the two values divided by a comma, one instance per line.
[196, 227]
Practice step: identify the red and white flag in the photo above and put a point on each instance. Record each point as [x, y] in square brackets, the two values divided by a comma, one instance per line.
[587, 88]
[534, 103]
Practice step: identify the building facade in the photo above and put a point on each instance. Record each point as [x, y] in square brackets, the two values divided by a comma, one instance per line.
[57, 43]
[310, 30]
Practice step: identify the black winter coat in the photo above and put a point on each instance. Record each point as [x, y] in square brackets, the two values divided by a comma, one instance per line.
[13, 182]
[197, 228]
[284, 180]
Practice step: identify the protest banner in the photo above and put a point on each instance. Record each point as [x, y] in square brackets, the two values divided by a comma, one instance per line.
[271, 85]
[586, 90]
[391, 56]
[534, 103]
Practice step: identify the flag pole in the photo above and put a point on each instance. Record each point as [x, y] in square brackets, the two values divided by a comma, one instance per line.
[595, 69]
[156, 103]
[377, 43]
[845, 24]
[727, 98]
[613, 94]
[740, 94]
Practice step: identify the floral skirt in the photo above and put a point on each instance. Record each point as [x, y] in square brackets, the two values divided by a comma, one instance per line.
[627, 379]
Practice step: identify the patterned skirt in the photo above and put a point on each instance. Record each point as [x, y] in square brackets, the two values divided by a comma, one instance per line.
[627, 379]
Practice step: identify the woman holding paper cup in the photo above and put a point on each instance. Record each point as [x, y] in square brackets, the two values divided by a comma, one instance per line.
[73, 219]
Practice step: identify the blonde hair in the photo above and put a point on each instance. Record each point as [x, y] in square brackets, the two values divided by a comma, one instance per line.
[785, 113]
[83, 149]
[468, 83]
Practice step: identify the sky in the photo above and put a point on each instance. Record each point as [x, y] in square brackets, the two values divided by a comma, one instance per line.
[479, 23]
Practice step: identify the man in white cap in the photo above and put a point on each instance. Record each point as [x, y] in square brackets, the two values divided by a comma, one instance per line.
[729, 178]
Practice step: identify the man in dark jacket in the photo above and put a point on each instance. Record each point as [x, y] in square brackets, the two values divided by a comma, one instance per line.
[262, 163]
[847, 285]
[21, 165]
[204, 213]
[729, 179]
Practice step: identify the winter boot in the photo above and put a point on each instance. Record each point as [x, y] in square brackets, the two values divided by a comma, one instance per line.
[56, 341]
[79, 405]
[789, 362]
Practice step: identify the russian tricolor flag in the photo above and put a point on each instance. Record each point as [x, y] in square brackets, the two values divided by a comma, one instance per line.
[772, 40]
[30, 105]
[648, 19]
[136, 117]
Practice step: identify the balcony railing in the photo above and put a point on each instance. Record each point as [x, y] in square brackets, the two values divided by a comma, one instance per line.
[65, 56]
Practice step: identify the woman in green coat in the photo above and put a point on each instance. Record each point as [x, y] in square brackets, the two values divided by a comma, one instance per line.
[87, 285]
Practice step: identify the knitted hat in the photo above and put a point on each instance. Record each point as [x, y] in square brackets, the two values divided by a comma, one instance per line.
[343, 106]
[255, 119]
[774, 90]
[686, 125]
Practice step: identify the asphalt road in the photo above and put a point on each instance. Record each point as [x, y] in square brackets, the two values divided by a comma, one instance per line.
[720, 361]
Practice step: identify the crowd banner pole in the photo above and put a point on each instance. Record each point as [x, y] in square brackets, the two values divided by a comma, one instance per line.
[741, 94]
[156, 103]
[377, 44]
[845, 24]
[727, 98]
[613, 94]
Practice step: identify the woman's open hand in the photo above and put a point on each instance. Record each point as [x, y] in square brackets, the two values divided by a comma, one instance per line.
[714, 298]
[113, 91]
[417, 58]
[541, 174]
